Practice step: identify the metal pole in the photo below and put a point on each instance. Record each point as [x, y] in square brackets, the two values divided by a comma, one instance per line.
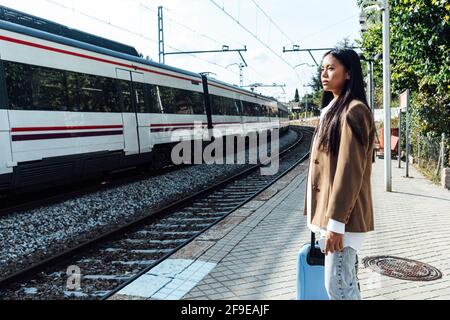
[443, 152]
[241, 75]
[306, 103]
[418, 150]
[387, 100]
[407, 133]
[368, 86]
[400, 139]
[372, 89]
[162, 58]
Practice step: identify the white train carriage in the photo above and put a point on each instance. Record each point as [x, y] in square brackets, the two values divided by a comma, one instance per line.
[240, 111]
[283, 117]
[73, 104]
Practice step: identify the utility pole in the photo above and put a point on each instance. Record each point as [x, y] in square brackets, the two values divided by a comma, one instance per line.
[306, 103]
[163, 54]
[387, 98]
[241, 72]
[371, 87]
[383, 6]
[161, 35]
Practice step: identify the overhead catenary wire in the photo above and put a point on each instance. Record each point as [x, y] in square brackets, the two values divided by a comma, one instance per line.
[200, 34]
[255, 36]
[273, 22]
[135, 33]
[140, 35]
[173, 13]
[102, 21]
[138, 2]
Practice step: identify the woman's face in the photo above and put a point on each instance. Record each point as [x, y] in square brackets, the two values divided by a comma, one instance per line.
[333, 75]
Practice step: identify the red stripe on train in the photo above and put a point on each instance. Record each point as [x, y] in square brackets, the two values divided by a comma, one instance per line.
[80, 55]
[28, 129]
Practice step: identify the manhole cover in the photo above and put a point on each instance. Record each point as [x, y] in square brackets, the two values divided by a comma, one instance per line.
[401, 268]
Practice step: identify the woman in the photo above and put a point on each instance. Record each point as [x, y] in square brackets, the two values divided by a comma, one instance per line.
[338, 195]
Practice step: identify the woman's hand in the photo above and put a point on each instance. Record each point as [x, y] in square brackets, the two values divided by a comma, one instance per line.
[334, 242]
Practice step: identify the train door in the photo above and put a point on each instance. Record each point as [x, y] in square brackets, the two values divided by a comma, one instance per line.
[129, 115]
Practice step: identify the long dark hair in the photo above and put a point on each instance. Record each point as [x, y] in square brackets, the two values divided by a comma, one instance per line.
[330, 131]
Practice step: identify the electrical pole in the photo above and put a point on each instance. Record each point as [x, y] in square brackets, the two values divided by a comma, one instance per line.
[387, 99]
[383, 6]
[241, 74]
[161, 35]
[371, 88]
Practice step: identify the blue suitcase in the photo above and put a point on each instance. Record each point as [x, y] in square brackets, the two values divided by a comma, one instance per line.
[310, 272]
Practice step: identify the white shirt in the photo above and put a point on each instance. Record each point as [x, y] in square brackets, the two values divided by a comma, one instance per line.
[351, 239]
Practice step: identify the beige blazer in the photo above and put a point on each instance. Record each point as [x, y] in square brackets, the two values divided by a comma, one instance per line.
[341, 188]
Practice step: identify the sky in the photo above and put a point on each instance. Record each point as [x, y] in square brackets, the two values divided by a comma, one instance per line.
[264, 27]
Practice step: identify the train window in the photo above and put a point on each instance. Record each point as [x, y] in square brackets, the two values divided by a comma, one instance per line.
[228, 106]
[217, 105]
[141, 106]
[225, 106]
[256, 109]
[247, 108]
[151, 99]
[89, 93]
[36, 88]
[72, 91]
[176, 101]
[125, 93]
[94, 93]
[183, 102]
[49, 89]
[272, 112]
[39, 88]
[198, 103]
[231, 108]
[18, 85]
[111, 94]
[167, 96]
[238, 107]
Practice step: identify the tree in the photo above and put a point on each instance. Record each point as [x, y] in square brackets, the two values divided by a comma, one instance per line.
[296, 97]
[345, 43]
[420, 58]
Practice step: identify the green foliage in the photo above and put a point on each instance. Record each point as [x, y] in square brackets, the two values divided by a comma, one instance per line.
[420, 60]
[296, 97]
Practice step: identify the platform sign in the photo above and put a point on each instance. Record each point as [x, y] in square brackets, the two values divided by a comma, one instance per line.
[404, 106]
[404, 100]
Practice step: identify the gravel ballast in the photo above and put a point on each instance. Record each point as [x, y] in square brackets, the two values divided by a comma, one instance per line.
[29, 237]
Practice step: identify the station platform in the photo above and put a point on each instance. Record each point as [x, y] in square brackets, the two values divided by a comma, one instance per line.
[251, 255]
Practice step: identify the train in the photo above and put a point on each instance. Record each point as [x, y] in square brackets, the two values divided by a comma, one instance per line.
[74, 105]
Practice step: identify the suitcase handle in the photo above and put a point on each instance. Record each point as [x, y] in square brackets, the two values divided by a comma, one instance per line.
[313, 240]
[315, 256]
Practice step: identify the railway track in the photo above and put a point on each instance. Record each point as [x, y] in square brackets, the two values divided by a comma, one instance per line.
[30, 200]
[113, 260]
